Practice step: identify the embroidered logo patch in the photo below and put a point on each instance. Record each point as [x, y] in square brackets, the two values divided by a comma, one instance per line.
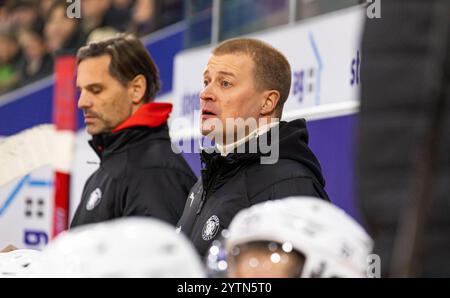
[211, 228]
[94, 199]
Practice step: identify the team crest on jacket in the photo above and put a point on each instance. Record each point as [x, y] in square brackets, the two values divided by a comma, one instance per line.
[94, 199]
[211, 228]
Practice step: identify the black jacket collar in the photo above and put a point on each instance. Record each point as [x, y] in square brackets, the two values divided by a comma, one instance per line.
[293, 145]
[109, 143]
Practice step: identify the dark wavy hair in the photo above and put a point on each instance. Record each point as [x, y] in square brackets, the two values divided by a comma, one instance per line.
[129, 58]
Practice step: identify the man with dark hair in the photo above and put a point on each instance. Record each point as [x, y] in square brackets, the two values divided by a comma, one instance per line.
[139, 174]
[246, 84]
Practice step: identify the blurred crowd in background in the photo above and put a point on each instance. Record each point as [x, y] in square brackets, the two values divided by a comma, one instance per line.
[33, 31]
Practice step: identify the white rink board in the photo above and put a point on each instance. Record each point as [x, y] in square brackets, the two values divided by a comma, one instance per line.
[26, 208]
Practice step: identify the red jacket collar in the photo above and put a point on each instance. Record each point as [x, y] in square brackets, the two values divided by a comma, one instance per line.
[150, 115]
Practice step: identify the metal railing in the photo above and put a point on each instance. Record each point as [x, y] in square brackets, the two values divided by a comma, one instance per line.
[219, 15]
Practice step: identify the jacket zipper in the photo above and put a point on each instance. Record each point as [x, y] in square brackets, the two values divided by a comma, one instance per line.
[202, 203]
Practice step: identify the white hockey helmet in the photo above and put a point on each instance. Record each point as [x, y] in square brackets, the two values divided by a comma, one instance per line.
[129, 247]
[333, 244]
[17, 263]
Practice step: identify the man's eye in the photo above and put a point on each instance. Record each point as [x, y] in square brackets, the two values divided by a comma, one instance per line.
[226, 84]
[96, 90]
[205, 83]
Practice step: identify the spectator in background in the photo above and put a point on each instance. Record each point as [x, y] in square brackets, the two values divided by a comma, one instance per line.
[119, 14]
[62, 32]
[101, 34]
[37, 62]
[143, 19]
[44, 6]
[94, 12]
[4, 16]
[151, 15]
[25, 15]
[47, 26]
[10, 57]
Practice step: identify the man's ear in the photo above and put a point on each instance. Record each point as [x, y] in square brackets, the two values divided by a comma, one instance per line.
[137, 88]
[272, 97]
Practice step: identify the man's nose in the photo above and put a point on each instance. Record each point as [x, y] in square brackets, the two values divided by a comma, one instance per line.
[84, 101]
[208, 93]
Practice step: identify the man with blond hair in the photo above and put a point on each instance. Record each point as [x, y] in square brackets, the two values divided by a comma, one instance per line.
[256, 157]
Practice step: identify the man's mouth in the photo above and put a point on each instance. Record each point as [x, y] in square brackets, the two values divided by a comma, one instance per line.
[89, 118]
[208, 114]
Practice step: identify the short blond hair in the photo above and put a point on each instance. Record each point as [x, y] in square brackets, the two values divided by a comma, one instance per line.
[272, 69]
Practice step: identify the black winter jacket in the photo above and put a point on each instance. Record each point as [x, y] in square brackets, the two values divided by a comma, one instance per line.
[139, 175]
[237, 181]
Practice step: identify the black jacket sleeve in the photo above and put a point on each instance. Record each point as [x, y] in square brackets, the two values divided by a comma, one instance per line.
[160, 193]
